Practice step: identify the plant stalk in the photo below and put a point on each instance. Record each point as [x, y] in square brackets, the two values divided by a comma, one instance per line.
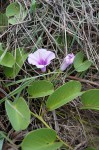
[42, 120]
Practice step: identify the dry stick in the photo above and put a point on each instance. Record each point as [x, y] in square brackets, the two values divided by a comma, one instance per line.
[83, 144]
[9, 140]
[55, 120]
[5, 32]
[40, 20]
[83, 80]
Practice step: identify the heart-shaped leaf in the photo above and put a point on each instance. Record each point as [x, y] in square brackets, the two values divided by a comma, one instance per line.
[18, 113]
[79, 64]
[15, 13]
[63, 95]
[40, 88]
[7, 60]
[20, 57]
[13, 6]
[41, 139]
[90, 99]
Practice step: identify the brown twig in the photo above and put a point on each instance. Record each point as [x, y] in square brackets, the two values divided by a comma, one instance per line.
[83, 80]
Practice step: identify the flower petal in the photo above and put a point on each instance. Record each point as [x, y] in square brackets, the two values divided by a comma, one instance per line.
[33, 58]
[43, 53]
[40, 66]
[43, 69]
[50, 57]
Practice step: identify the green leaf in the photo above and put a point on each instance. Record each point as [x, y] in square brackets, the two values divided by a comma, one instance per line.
[3, 21]
[1, 48]
[33, 6]
[17, 90]
[78, 59]
[19, 61]
[18, 113]
[41, 139]
[15, 13]
[13, 6]
[7, 60]
[89, 148]
[63, 95]
[90, 99]
[40, 88]
[84, 66]
[59, 39]
[79, 64]
[1, 141]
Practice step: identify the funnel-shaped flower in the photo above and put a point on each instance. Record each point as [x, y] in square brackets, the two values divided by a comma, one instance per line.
[68, 60]
[41, 58]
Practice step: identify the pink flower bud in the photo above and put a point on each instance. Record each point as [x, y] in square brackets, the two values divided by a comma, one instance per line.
[68, 60]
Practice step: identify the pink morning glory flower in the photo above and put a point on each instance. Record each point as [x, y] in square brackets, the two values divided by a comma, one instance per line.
[41, 58]
[68, 60]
